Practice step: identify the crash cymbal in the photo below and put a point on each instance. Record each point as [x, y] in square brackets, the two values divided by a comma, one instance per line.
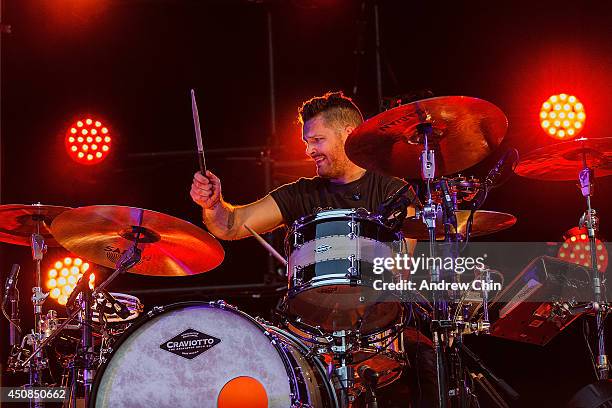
[170, 246]
[465, 131]
[563, 161]
[19, 221]
[485, 222]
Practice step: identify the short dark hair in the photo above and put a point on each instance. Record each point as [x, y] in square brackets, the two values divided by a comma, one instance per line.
[334, 106]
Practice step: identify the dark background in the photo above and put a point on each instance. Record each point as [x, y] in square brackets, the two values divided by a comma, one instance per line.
[131, 63]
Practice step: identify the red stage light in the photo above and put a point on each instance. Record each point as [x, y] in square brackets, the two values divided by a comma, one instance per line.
[86, 140]
[556, 113]
[577, 249]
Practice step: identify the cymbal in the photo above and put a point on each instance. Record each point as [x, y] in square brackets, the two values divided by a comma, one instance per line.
[485, 222]
[19, 221]
[170, 246]
[465, 131]
[563, 161]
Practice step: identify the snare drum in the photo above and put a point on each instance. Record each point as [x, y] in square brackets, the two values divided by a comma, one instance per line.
[207, 355]
[131, 302]
[382, 352]
[331, 271]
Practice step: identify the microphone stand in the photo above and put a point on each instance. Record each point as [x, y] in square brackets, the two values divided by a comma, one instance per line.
[508, 390]
[14, 336]
[12, 297]
[589, 219]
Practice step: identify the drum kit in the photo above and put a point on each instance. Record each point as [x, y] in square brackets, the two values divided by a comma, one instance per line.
[337, 341]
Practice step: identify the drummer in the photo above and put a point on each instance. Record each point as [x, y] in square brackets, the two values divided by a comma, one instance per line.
[326, 121]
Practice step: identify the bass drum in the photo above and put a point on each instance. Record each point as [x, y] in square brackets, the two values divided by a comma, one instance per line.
[198, 354]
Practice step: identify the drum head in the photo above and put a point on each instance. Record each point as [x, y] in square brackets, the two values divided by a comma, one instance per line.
[185, 356]
[338, 307]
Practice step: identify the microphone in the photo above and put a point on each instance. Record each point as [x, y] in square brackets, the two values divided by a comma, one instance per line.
[370, 378]
[449, 206]
[11, 280]
[510, 158]
[117, 307]
[12, 295]
[393, 209]
[393, 199]
[368, 374]
[80, 287]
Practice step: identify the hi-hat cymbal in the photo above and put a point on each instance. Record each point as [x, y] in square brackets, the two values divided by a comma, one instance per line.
[19, 221]
[563, 161]
[485, 222]
[465, 131]
[170, 246]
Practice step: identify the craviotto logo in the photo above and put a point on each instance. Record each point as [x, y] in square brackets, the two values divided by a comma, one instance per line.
[190, 343]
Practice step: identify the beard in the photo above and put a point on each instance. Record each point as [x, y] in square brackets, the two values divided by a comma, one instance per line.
[335, 162]
[331, 167]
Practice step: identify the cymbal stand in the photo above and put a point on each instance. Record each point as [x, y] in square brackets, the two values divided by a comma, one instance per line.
[589, 219]
[131, 257]
[428, 172]
[344, 373]
[39, 363]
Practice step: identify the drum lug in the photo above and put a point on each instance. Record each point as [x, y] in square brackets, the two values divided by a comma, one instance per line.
[352, 270]
[298, 404]
[262, 321]
[298, 239]
[155, 311]
[353, 225]
[297, 280]
[222, 304]
[273, 339]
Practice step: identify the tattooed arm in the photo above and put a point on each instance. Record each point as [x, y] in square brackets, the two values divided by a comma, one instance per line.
[226, 221]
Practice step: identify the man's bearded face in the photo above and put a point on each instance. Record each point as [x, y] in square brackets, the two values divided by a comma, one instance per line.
[325, 145]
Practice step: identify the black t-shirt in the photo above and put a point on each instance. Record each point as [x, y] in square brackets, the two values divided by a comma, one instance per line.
[308, 195]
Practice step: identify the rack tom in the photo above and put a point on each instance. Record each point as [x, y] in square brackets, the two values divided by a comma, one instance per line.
[331, 271]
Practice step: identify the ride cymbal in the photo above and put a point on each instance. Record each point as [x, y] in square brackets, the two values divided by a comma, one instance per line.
[170, 246]
[563, 161]
[465, 131]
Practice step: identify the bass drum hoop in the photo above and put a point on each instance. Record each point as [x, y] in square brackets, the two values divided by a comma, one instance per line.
[159, 310]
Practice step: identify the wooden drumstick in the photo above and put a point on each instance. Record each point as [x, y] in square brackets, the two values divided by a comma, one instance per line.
[198, 133]
[266, 245]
